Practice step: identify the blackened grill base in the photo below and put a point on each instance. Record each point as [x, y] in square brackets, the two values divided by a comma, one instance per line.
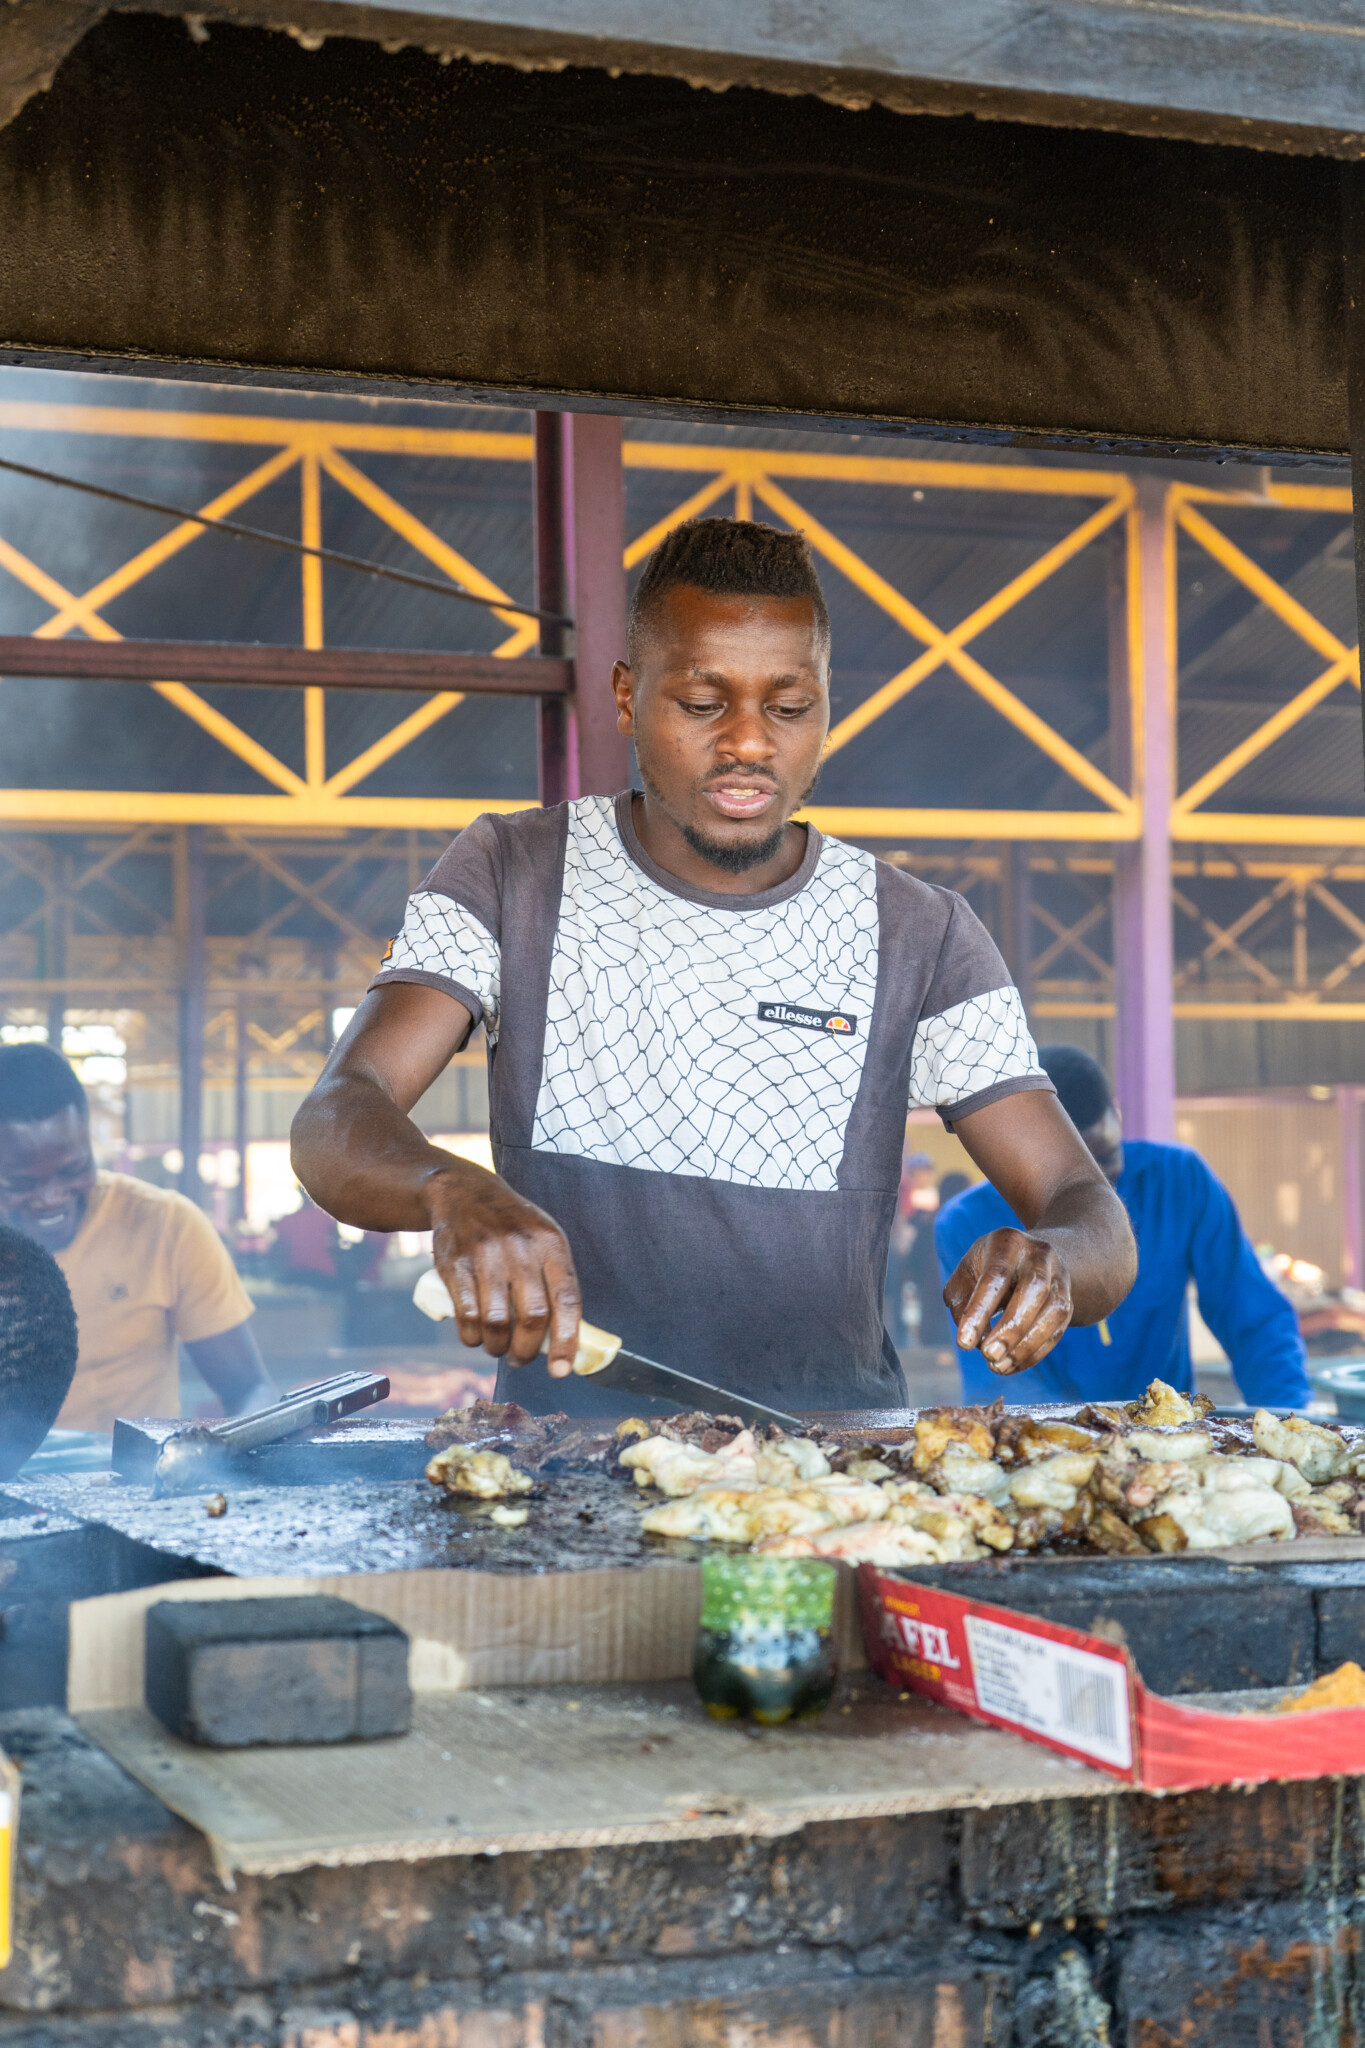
[1194, 1625]
[580, 1522]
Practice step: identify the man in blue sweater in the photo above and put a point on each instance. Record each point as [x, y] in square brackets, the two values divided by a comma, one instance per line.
[1186, 1228]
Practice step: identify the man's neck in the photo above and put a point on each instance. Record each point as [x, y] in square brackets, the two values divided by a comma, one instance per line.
[669, 849]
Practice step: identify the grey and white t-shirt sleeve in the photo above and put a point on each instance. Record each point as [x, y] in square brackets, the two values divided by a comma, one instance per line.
[452, 932]
[972, 1043]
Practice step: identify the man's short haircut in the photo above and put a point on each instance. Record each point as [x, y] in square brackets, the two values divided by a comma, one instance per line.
[729, 558]
[37, 1346]
[35, 1083]
[1081, 1083]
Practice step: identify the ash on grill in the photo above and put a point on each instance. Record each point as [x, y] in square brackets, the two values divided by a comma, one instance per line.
[1161, 1474]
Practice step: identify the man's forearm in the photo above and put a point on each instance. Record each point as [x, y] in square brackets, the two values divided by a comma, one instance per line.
[1087, 1226]
[231, 1366]
[357, 1151]
[366, 1163]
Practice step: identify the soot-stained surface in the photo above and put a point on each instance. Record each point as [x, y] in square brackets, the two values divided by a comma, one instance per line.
[580, 1522]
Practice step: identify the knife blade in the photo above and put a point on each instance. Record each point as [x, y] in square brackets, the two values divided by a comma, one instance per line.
[601, 1359]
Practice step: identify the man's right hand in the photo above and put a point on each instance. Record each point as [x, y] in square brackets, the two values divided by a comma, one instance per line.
[508, 1267]
[507, 1264]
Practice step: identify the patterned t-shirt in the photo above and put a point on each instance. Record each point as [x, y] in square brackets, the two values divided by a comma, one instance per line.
[708, 1092]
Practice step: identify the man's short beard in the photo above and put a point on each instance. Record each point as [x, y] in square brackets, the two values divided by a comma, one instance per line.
[731, 857]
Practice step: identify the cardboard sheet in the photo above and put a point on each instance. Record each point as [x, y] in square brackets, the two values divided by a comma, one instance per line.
[563, 1767]
[466, 1628]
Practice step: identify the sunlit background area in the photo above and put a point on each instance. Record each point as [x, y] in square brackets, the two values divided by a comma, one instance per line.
[196, 883]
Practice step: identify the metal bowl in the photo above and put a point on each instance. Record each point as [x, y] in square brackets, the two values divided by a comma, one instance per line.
[1344, 1380]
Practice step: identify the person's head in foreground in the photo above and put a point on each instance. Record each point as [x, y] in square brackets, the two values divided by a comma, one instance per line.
[1084, 1093]
[37, 1347]
[47, 1169]
[725, 688]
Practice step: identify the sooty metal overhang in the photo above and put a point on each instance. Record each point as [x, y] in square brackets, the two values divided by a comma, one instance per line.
[1275, 76]
[243, 207]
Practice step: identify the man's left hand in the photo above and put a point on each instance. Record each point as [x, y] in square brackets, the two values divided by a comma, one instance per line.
[1023, 1281]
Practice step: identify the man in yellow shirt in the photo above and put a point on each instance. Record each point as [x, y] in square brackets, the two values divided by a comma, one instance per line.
[146, 1268]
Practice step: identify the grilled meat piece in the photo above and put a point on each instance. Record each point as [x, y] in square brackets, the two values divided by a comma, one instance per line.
[1023, 1439]
[742, 1515]
[938, 1428]
[955, 1518]
[1161, 1533]
[1148, 1480]
[1314, 1516]
[539, 1443]
[1103, 1416]
[1107, 1532]
[1167, 1445]
[1162, 1404]
[680, 1468]
[1320, 1454]
[486, 1423]
[960, 1471]
[1222, 1501]
[879, 1543]
[784, 1458]
[1053, 1482]
[484, 1475]
[866, 1467]
[1033, 1527]
[580, 1447]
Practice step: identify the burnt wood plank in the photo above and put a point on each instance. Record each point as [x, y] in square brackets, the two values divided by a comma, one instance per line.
[345, 218]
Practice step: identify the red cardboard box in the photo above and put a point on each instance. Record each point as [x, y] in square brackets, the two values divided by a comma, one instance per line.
[1083, 1696]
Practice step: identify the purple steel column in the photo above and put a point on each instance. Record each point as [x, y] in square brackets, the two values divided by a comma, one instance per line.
[1144, 994]
[595, 526]
[190, 917]
[555, 736]
[1353, 224]
[1352, 1223]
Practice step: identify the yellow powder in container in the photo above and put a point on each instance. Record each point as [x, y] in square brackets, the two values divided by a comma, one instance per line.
[1344, 1687]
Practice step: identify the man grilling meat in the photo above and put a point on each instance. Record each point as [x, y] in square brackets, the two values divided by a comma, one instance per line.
[706, 1023]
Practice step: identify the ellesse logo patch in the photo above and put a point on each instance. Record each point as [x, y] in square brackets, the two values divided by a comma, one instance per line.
[840, 1022]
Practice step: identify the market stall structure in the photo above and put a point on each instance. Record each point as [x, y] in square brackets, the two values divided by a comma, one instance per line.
[1110, 228]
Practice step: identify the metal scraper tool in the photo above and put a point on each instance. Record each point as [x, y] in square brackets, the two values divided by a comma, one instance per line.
[601, 1359]
[205, 1454]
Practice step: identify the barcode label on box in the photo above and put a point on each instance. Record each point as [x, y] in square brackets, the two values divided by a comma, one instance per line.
[1069, 1695]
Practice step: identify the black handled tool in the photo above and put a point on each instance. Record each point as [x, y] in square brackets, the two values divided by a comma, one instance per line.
[203, 1454]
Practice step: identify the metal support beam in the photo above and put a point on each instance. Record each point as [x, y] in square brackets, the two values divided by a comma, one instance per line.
[1353, 224]
[1016, 919]
[191, 896]
[556, 762]
[272, 668]
[1142, 684]
[56, 929]
[595, 520]
[1352, 1220]
[241, 1105]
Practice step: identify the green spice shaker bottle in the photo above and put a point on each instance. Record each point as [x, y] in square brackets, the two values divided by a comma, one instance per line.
[765, 1645]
